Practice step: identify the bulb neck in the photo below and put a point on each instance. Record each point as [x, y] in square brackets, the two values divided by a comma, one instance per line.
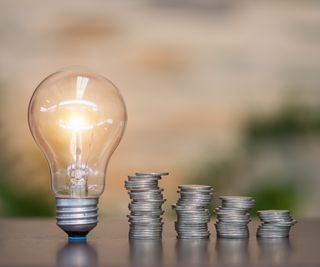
[77, 216]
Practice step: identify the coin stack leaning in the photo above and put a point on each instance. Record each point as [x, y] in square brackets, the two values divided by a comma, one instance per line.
[233, 216]
[192, 214]
[145, 218]
[275, 223]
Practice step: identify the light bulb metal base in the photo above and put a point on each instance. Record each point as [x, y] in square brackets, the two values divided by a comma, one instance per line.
[77, 216]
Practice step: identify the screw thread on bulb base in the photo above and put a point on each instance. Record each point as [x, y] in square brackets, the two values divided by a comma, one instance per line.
[77, 216]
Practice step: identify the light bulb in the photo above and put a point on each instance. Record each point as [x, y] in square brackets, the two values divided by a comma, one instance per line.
[77, 118]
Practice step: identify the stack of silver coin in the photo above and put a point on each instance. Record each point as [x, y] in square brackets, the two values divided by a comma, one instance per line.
[145, 218]
[275, 223]
[233, 216]
[192, 213]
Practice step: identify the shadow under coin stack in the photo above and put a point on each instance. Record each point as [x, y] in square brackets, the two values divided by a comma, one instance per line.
[192, 214]
[233, 216]
[275, 223]
[145, 218]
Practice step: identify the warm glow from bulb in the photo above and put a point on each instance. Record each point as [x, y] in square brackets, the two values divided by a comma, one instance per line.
[76, 123]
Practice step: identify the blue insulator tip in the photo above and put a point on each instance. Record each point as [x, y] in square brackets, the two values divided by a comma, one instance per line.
[77, 238]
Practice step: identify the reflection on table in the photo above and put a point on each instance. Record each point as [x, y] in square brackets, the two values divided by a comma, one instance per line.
[232, 251]
[146, 252]
[274, 250]
[192, 252]
[77, 254]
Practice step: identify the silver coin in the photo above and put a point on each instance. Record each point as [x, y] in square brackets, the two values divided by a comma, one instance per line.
[139, 178]
[136, 186]
[182, 216]
[198, 205]
[149, 200]
[192, 210]
[140, 189]
[188, 233]
[148, 193]
[274, 216]
[239, 201]
[143, 234]
[141, 229]
[149, 213]
[231, 211]
[195, 235]
[194, 224]
[232, 230]
[231, 217]
[144, 214]
[156, 174]
[237, 198]
[192, 217]
[273, 212]
[141, 182]
[144, 218]
[191, 194]
[195, 188]
[146, 210]
[146, 207]
[182, 202]
[190, 229]
[143, 222]
[192, 214]
[135, 232]
[145, 197]
[195, 198]
[272, 236]
[147, 226]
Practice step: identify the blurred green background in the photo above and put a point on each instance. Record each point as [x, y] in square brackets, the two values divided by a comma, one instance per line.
[218, 92]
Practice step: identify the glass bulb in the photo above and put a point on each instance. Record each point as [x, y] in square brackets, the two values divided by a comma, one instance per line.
[77, 118]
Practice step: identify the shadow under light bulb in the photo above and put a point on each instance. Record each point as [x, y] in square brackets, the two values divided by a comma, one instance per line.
[77, 118]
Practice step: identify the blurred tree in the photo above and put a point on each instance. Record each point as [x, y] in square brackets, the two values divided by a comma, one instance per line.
[16, 201]
[293, 121]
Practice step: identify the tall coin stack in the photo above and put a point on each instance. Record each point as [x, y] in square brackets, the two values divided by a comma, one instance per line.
[233, 216]
[145, 218]
[192, 214]
[275, 223]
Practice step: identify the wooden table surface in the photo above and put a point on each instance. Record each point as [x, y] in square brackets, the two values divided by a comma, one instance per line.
[39, 242]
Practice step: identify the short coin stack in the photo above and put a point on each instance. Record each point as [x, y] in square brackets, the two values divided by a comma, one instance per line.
[192, 214]
[275, 223]
[233, 216]
[145, 218]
